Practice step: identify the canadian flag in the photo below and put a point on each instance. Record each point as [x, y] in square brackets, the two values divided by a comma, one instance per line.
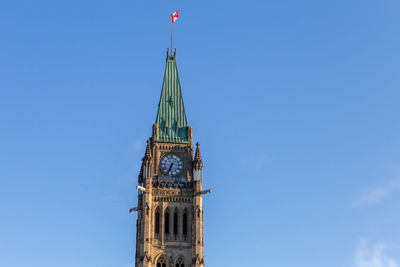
[174, 16]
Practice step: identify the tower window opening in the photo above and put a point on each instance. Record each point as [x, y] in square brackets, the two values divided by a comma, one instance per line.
[166, 223]
[157, 223]
[179, 263]
[185, 226]
[175, 225]
[161, 262]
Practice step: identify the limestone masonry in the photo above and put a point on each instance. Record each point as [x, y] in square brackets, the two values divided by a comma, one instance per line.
[170, 207]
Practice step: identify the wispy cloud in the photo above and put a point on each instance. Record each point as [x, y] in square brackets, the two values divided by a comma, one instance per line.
[367, 255]
[378, 192]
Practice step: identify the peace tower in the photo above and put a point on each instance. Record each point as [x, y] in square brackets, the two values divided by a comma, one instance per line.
[170, 209]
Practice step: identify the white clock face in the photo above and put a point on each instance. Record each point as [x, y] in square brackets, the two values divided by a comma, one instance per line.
[171, 164]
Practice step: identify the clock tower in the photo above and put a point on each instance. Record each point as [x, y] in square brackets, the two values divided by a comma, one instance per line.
[170, 208]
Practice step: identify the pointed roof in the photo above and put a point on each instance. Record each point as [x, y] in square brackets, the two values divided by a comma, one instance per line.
[198, 162]
[147, 155]
[171, 115]
[197, 155]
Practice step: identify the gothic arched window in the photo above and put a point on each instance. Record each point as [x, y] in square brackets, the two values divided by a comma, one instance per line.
[161, 262]
[175, 224]
[179, 263]
[185, 225]
[166, 223]
[157, 223]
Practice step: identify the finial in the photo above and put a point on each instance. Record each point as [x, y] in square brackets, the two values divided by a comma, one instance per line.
[175, 52]
[198, 163]
[148, 151]
[167, 52]
[197, 154]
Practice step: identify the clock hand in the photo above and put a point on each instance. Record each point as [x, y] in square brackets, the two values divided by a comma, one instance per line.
[170, 167]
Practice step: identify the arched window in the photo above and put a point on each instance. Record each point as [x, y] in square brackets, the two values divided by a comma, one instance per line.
[175, 224]
[179, 263]
[161, 262]
[166, 223]
[185, 225]
[157, 223]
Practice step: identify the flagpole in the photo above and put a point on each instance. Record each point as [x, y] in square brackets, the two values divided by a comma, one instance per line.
[171, 37]
[174, 16]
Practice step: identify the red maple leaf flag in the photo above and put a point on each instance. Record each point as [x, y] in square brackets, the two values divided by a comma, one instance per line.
[174, 16]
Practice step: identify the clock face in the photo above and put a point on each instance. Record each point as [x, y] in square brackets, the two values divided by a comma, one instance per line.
[171, 164]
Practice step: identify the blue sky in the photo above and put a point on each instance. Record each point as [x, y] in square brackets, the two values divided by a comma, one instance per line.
[295, 105]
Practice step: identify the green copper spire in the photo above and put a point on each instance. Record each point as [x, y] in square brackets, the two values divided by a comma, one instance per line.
[171, 115]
